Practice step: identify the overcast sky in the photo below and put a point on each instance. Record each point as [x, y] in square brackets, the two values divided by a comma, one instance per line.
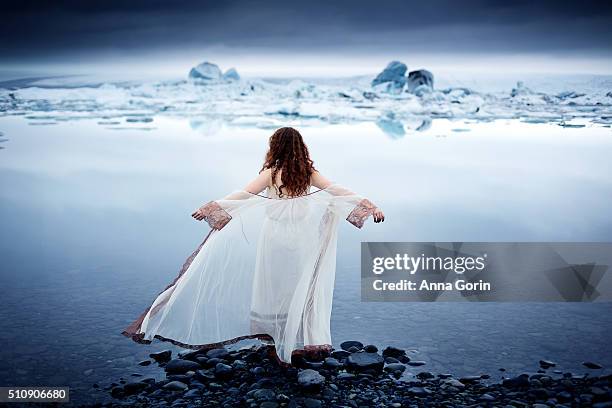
[267, 35]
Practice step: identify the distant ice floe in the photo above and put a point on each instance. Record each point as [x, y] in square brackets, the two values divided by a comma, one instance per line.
[396, 100]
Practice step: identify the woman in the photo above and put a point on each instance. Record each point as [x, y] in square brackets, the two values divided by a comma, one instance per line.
[266, 269]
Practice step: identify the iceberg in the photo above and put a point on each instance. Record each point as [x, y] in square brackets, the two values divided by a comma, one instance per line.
[393, 77]
[228, 99]
[206, 71]
[231, 75]
[421, 80]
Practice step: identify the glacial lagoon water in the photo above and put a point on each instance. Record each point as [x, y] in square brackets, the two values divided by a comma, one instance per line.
[96, 221]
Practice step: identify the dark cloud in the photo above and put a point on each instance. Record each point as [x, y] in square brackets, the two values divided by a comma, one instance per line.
[45, 28]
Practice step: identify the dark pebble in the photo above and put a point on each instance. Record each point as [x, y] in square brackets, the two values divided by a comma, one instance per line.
[162, 356]
[348, 344]
[178, 366]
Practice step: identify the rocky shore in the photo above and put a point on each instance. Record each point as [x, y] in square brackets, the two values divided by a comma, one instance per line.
[354, 376]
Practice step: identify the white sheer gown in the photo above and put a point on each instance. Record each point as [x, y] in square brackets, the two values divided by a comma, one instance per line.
[266, 270]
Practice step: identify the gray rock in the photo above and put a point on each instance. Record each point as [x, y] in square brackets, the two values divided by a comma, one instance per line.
[370, 348]
[468, 379]
[332, 363]
[340, 354]
[162, 356]
[135, 387]
[394, 367]
[419, 391]
[591, 365]
[453, 382]
[223, 371]
[518, 381]
[348, 344]
[178, 366]
[217, 353]
[420, 78]
[264, 394]
[176, 386]
[394, 75]
[393, 352]
[195, 393]
[547, 364]
[345, 377]
[312, 403]
[363, 361]
[310, 379]
[487, 397]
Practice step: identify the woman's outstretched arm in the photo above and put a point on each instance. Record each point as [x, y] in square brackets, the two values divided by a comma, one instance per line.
[256, 186]
[319, 181]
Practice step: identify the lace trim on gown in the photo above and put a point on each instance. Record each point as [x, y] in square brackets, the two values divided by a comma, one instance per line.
[214, 215]
[364, 209]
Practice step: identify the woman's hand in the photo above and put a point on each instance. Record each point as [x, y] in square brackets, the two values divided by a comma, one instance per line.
[378, 215]
[198, 215]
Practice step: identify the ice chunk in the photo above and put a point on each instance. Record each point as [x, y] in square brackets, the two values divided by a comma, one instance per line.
[231, 75]
[205, 72]
[394, 76]
[420, 79]
[520, 89]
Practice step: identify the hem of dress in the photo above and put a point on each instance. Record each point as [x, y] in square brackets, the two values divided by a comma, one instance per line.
[139, 338]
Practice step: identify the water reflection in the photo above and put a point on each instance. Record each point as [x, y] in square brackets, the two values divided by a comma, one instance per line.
[96, 221]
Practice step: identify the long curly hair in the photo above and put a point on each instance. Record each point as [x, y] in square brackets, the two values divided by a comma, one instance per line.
[289, 155]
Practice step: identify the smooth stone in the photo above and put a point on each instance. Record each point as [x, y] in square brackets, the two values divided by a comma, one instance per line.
[370, 348]
[345, 376]
[340, 354]
[176, 386]
[194, 393]
[178, 366]
[425, 375]
[332, 363]
[395, 367]
[162, 356]
[454, 383]
[416, 363]
[217, 353]
[145, 363]
[468, 379]
[264, 394]
[204, 375]
[223, 371]
[591, 365]
[419, 391]
[312, 403]
[348, 344]
[547, 364]
[365, 361]
[518, 381]
[310, 379]
[487, 397]
[393, 352]
[134, 387]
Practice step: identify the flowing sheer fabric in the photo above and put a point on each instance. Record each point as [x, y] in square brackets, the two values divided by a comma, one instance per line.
[266, 270]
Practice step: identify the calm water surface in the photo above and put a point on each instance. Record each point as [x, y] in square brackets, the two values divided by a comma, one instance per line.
[96, 221]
